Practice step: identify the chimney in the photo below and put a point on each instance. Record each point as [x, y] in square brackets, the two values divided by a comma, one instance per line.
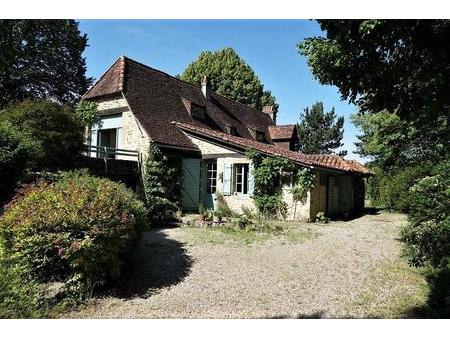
[272, 112]
[206, 87]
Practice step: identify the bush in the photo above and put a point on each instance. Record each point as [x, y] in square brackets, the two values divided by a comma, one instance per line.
[427, 236]
[392, 190]
[222, 207]
[17, 152]
[19, 293]
[162, 180]
[53, 127]
[73, 230]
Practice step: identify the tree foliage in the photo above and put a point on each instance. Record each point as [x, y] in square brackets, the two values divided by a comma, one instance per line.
[50, 126]
[42, 59]
[397, 65]
[18, 152]
[230, 76]
[320, 132]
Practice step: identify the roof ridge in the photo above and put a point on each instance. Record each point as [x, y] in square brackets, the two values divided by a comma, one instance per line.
[189, 83]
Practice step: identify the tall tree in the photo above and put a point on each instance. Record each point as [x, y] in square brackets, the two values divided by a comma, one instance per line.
[398, 66]
[320, 132]
[42, 59]
[230, 76]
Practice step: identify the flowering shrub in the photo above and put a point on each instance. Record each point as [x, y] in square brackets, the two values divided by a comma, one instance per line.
[73, 230]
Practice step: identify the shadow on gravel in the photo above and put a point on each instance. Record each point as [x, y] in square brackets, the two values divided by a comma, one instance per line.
[157, 262]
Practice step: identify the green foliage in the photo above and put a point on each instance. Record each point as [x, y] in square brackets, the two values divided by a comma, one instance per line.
[162, 181]
[52, 127]
[87, 112]
[267, 183]
[427, 236]
[42, 59]
[230, 76]
[322, 218]
[392, 143]
[320, 132]
[393, 191]
[17, 152]
[304, 183]
[222, 207]
[19, 293]
[385, 64]
[73, 230]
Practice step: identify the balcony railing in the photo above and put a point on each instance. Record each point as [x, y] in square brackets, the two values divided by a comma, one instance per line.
[110, 153]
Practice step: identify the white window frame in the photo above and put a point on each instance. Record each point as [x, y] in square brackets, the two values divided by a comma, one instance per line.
[239, 170]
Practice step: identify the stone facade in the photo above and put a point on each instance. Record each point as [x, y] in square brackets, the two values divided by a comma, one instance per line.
[236, 201]
[131, 136]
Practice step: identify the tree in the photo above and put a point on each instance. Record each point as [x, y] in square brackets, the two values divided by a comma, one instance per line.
[42, 59]
[50, 126]
[400, 65]
[320, 132]
[230, 76]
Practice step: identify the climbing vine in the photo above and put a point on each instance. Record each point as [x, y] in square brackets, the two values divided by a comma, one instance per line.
[267, 172]
[87, 112]
[162, 181]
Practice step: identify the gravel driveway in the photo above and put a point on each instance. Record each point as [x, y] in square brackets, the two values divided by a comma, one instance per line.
[351, 269]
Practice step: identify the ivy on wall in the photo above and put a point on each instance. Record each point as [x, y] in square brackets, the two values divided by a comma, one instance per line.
[267, 173]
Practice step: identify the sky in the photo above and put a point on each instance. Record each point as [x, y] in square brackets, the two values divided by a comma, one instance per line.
[268, 46]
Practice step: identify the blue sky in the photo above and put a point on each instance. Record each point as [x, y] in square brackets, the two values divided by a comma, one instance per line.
[268, 46]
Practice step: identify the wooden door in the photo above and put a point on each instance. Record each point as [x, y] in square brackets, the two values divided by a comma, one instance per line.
[191, 184]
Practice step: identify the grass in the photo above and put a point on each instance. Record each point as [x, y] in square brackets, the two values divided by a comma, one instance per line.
[391, 292]
[286, 232]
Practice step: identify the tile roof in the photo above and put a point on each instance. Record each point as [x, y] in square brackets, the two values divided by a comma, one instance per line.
[332, 162]
[156, 99]
[281, 132]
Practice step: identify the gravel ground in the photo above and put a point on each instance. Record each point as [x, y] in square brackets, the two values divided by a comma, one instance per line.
[351, 269]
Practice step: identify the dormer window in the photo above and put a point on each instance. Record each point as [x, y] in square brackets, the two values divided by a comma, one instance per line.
[260, 136]
[197, 111]
[231, 130]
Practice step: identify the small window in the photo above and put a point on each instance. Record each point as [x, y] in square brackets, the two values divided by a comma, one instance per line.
[211, 177]
[260, 136]
[241, 178]
[197, 111]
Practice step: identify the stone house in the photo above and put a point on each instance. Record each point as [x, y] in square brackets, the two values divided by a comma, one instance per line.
[211, 134]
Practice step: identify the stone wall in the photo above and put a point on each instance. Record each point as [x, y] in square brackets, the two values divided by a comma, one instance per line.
[132, 135]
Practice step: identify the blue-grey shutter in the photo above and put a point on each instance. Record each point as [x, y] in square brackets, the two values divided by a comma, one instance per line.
[94, 142]
[227, 171]
[251, 181]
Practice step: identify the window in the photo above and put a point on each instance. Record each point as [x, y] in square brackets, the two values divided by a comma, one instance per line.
[197, 111]
[260, 136]
[211, 176]
[107, 138]
[241, 178]
[232, 130]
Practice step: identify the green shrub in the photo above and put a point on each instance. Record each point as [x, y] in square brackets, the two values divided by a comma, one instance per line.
[392, 190]
[162, 181]
[53, 127]
[17, 153]
[222, 207]
[427, 236]
[322, 218]
[73, 230]
[19, 293]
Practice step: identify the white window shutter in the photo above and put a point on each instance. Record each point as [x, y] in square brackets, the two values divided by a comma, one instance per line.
[251, 181]
[227, 172]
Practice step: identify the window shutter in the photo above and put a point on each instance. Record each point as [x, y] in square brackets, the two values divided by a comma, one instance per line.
[94, 142]
[227, 171]
[251, 183]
